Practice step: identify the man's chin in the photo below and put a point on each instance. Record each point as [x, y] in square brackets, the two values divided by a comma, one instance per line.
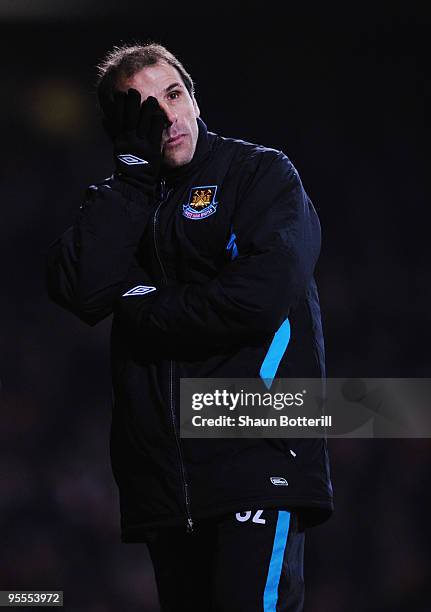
[175, 161]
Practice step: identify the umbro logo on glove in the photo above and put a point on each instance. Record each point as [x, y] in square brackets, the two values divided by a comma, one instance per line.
[139, 290]
[131, 160]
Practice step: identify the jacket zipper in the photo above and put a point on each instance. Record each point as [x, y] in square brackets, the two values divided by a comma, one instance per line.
[163, 197]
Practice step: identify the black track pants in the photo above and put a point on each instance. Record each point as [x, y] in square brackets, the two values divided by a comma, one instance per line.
[246, 562]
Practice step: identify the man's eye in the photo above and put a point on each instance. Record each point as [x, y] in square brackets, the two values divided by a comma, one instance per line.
[173, 95]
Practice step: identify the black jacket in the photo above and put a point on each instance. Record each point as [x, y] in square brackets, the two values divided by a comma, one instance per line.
[213, 268]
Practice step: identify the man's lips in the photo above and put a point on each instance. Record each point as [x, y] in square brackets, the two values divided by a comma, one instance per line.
[174, 140]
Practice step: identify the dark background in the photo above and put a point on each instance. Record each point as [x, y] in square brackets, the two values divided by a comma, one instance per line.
[342, 92]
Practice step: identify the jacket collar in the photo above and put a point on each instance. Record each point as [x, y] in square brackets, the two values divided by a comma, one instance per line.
[179, 174]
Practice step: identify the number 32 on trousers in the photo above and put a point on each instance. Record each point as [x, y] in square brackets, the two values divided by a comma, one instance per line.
[244, 516]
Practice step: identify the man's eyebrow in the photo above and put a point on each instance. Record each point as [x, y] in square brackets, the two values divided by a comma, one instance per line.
[169, 87]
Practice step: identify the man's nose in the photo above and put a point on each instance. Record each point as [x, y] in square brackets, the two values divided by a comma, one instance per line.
[171, 116]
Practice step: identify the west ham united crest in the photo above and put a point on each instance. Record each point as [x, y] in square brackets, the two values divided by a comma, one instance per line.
[201, 202]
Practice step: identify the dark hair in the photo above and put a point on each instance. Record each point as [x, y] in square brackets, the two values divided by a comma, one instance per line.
[127, 60]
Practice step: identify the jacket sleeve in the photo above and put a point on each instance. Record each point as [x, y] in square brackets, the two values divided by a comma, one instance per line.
[88, 264]
[278, 242]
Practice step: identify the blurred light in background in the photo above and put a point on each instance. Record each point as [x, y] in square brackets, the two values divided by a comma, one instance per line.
[58, 108]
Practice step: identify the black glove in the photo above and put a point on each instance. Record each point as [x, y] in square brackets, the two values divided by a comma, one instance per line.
[136, 132]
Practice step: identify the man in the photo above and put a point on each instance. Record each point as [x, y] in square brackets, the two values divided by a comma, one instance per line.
[203, 248]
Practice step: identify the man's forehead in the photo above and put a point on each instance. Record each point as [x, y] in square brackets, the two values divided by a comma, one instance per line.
[152, 79]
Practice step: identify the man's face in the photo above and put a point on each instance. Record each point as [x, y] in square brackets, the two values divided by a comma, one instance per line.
[164, 82]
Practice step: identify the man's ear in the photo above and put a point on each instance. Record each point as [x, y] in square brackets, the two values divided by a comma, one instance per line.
[197, 109]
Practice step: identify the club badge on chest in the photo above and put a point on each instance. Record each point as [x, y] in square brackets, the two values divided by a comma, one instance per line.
[201, 202]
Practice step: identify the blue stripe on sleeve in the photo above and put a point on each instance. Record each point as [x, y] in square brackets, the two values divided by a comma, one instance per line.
[275, 353]
[232, 247]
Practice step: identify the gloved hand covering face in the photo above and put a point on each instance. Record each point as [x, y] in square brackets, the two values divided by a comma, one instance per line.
[136, 133]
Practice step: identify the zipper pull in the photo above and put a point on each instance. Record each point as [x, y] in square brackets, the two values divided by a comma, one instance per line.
[162, 188]
[189, 525]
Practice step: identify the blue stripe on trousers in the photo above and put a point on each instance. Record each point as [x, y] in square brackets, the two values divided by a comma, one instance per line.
[270, 594]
